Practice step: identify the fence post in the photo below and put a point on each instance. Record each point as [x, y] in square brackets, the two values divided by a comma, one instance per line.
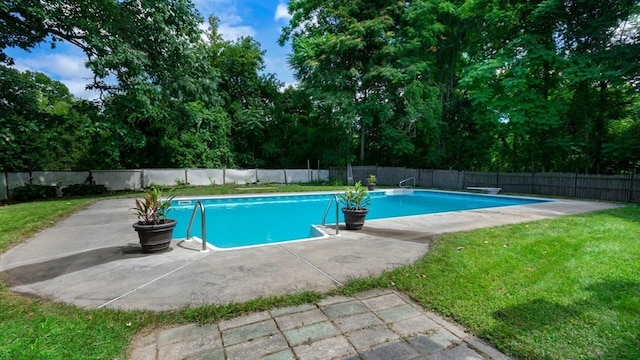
[6, 185]
[632, 184]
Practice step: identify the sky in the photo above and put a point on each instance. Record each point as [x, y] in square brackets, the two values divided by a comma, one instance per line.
[260, 19]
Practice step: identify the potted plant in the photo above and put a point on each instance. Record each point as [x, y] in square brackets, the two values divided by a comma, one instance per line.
[355, 201]
[371, 182]
[155, 231]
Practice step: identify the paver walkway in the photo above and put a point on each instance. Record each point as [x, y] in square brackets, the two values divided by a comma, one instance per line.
[378, 324]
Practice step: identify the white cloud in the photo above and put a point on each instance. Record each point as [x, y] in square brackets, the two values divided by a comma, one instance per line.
[229, 19]
[282, 13]
[229, 32]
[67, 69]
[59, 65]
[79, 89]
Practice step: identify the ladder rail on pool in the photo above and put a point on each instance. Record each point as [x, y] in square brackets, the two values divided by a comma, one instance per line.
[200, 206]
[402, 183]
[332, 198]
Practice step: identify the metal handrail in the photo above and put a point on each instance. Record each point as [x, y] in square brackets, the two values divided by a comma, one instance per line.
[204, 226]
[401, 183]
[334, 197]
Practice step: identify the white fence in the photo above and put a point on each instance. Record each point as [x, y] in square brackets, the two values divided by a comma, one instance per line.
[137, 179]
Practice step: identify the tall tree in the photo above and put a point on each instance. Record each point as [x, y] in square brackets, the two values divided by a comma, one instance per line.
[247, 95]
[541, 73]
[349, 58]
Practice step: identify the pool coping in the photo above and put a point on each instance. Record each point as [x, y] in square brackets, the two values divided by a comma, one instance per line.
[92, 259]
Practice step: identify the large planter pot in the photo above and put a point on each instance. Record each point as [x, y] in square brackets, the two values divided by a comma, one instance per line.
[371, 186]
[354, 219]
[155, 238]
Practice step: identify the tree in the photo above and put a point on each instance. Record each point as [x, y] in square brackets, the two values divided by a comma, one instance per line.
[42, 127]
[149, 62]
[542, 74]
[132, 41]
[247, 95]
[350, 58]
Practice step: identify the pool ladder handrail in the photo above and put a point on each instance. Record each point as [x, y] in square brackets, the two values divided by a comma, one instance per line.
[402, 183]
[200, 206]
[333, 197]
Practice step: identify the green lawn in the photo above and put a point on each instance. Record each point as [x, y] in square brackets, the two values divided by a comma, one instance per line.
[567, 288]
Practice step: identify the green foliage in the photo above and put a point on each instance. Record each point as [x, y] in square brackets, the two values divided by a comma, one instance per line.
[248, 97]
[152, 208]
[551, 87]
[356, 60]
[456, 84]
[32, 192]
[84, 190]
[356, 198]
[135, 42]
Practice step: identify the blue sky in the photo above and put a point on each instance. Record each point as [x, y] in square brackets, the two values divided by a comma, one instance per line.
[260, 19]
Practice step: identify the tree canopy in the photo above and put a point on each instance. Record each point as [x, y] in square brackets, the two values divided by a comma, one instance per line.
[495, 85]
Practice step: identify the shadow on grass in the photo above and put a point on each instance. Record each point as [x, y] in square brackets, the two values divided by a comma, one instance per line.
[606, 325]
[50, 269]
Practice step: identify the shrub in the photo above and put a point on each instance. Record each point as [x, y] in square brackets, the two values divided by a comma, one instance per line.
[32, 192]
[84, 190]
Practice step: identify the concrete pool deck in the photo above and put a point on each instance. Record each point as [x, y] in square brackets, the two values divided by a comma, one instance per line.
[92, 259]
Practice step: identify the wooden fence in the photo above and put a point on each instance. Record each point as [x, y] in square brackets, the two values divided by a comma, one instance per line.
[600, 187]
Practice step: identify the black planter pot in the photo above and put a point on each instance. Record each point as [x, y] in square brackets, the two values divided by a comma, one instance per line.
[354, 219]
[155, 238]
[371, 186]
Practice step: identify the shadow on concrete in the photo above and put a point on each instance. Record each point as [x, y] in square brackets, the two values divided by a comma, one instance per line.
[402, 235]
[50, 269]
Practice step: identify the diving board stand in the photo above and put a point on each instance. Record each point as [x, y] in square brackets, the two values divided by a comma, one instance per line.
[486, 190]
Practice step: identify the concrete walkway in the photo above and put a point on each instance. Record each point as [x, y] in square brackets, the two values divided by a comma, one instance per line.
[372, 325]
[92, 259]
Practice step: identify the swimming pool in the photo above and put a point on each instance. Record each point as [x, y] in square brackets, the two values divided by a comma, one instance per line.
[234, 222]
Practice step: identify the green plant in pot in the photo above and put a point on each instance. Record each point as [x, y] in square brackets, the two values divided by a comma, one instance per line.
[355, 201]
[372, 180]
[154, 230]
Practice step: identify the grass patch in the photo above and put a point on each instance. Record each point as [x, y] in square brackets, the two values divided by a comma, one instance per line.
[40, 329]
[566, 288]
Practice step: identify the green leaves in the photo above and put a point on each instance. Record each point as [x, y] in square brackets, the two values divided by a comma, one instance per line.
[356, 198]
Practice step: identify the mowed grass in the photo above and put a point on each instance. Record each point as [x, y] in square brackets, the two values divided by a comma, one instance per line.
[567, 288]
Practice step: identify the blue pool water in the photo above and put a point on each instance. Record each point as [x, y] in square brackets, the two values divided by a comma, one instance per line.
[257, 220]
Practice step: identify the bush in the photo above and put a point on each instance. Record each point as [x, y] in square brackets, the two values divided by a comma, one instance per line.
[32, 192]
[84, 190]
